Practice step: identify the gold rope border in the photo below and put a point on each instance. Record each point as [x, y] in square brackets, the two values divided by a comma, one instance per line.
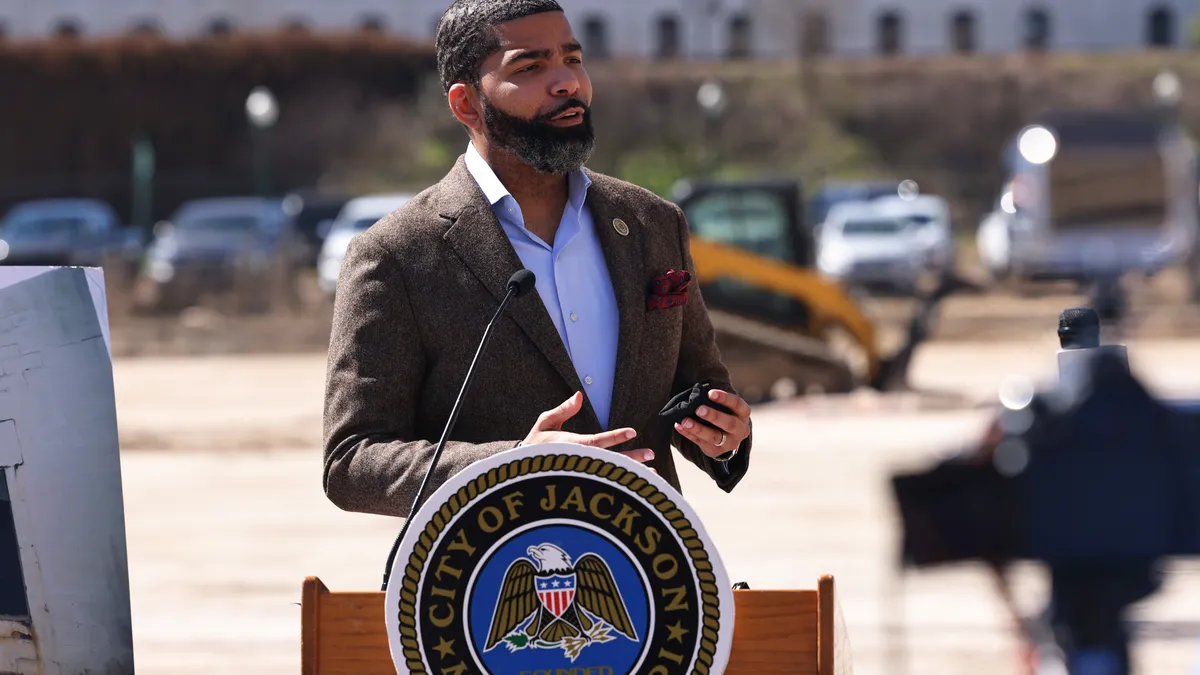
[709, 597]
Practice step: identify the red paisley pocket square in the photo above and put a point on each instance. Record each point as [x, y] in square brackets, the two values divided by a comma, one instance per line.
[669, 289]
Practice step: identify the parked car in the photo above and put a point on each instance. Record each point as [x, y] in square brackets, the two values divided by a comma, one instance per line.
[993, 239]
[312, 213]
[832, 193]
[1096, 193]
[932, 232]
[357, 215]
[240, 245]
[881, 244]
[66, 232]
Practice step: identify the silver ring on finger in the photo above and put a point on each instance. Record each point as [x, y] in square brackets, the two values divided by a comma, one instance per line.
[724, 437]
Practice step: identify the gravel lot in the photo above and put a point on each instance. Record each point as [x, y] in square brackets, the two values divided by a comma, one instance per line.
[226, 516]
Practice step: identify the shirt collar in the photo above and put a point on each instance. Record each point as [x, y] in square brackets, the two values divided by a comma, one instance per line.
[494, 191]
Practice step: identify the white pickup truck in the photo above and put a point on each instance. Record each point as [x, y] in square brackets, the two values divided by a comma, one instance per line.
[1093, 193]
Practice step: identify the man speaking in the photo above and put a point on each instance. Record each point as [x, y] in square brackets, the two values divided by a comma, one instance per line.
[617, 326]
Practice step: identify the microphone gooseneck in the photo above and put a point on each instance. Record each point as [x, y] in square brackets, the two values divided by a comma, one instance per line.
[521, 282]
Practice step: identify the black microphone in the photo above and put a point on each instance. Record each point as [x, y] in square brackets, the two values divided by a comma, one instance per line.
[1079, 328]
[520, 283]
[1079, 339]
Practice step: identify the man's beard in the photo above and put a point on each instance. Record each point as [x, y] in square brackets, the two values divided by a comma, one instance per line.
[547, 148]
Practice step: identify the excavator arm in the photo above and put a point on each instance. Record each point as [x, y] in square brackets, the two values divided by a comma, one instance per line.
[827, 302]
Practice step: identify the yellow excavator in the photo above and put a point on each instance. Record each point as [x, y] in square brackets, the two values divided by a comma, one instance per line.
[782, 327]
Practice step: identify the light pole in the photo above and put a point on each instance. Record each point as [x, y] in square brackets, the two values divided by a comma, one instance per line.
[263, 111]
[1168, 91]
[713, 101]
[143, 183]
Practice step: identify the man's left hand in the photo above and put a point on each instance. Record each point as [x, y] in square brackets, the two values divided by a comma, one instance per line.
[736, 427]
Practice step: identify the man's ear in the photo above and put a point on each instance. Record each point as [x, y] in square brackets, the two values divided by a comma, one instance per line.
[462, 100]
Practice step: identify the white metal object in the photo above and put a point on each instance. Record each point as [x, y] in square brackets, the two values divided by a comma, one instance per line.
[95, 283]
[1073, 364]
[59, 455]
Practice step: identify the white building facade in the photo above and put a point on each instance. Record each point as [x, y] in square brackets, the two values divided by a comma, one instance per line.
[940, 26]
[671, 28]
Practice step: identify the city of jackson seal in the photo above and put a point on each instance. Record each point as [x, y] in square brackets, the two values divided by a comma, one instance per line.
[558, 558]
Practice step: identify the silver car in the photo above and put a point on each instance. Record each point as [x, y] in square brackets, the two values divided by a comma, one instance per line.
[63, 232]
[244, 246]
[357, 215]
[886, 242]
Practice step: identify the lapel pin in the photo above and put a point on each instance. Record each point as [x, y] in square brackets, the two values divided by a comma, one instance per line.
[620, 226]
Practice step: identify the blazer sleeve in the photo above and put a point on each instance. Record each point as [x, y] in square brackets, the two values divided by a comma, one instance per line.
[373, 461]
[699, 359]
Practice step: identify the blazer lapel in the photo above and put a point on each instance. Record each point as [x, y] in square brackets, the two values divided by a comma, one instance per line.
[477, 238]
[624, 255]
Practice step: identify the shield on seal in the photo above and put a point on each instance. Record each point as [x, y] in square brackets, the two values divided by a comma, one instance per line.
[556, 592]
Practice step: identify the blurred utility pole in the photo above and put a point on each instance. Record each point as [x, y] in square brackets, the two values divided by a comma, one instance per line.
[814, 42]
[713, 101]
[262, 109]
[262, 162]
[142, 206]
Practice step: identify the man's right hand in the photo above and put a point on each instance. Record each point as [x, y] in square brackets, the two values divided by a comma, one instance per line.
[548, 429]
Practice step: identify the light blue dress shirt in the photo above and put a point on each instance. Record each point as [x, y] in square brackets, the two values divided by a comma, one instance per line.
[572, 279]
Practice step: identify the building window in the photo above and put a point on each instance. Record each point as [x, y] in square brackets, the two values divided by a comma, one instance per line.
[814, 34]
[890, 29]
[668, 43]
[373, 23]
[1037, 29]
[1160, 27]
[220, 26]
[595, 38]
[739, 37]
[962, 31]
[67, 28]
[147, 27]
[295, 25]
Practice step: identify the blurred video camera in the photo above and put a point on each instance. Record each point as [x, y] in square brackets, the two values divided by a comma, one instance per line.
[1094, 468]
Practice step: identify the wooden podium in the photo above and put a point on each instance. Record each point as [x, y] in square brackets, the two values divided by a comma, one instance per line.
[797, 632]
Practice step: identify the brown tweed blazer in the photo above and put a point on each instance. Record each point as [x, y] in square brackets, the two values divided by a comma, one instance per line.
[415, 293]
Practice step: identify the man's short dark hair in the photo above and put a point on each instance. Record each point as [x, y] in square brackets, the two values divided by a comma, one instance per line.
[466, 34]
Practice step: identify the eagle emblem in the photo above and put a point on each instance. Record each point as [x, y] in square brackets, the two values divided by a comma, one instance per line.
[558, 604]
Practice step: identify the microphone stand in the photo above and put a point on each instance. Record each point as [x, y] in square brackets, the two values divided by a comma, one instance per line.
[514, 289]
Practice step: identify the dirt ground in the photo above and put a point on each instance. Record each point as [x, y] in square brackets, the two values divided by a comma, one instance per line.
[974, 314]
[225, 513]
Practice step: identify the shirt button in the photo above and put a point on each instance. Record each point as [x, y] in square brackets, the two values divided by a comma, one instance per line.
[588, 379]
[574, 316]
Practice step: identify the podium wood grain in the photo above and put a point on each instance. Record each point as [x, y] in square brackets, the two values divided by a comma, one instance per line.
[775, 632]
